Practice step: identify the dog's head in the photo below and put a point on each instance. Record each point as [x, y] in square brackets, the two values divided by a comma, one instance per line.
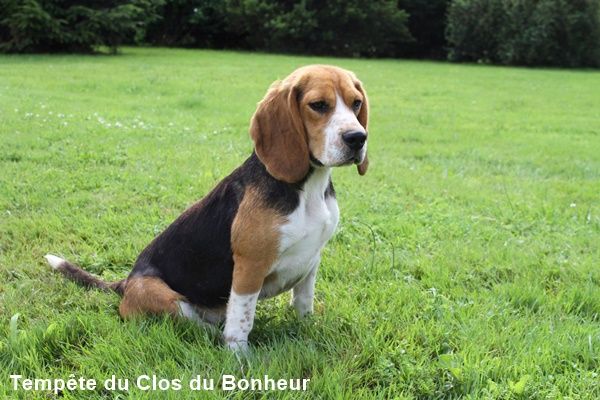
[318, 115]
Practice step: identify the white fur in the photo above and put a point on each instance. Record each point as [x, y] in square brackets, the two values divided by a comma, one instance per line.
[240, 318]
[307, 230]
[200, 315]
[54, 261]
[188, 311]
[342, 120]
[304, 292]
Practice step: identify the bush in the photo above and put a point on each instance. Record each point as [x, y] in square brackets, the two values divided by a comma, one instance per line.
[562, 33]
[338, 27]
[78, 26]
[342, 27]
[200, 23]
[427, 24]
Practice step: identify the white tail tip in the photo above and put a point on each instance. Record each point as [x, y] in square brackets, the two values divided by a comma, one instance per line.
[54, 261]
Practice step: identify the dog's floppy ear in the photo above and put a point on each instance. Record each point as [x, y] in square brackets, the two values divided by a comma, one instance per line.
[363, 118]
[279, 135]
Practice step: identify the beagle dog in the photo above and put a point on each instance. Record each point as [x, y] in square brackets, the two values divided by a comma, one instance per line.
[260, 231]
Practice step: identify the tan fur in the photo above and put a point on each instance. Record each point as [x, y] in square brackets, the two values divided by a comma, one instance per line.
[148, 295]
[278, 133]
[317, 84]
[254, 242]
[363, 118]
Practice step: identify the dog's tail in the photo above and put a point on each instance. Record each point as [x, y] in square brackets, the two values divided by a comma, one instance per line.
[78, 275]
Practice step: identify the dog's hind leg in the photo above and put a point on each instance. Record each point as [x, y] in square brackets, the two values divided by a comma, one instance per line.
[151, 295]
[202, 315]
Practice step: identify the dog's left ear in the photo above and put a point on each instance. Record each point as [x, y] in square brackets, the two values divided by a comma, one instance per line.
[363, 118]
[279, 136]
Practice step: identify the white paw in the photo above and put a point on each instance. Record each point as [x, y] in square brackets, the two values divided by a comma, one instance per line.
[303, 309]
[238, 346]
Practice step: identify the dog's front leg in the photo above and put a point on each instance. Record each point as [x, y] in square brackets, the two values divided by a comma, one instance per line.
[255, 246]
[239, 320]
[304, 292]
[248, 277]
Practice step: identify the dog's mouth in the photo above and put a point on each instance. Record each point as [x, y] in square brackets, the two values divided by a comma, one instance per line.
[359, 156]
[357, 159]
[354, 158]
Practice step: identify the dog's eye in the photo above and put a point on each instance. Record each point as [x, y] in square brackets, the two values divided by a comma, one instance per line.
[356, 105]
[319, 106]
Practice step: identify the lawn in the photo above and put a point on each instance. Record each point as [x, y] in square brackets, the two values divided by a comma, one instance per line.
[466, 263]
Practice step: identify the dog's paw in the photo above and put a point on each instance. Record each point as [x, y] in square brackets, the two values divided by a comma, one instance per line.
[238, 346]
[303, 309]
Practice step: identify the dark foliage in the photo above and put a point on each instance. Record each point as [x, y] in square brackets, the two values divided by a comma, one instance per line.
[72, 26]
[562, 33]
[519, 32]
[427, 24]
[338, 27]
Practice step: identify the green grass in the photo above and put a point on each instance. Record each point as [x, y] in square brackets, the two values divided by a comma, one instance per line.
[466, 264]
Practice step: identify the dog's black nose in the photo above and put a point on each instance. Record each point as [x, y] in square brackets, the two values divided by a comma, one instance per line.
[355, 140]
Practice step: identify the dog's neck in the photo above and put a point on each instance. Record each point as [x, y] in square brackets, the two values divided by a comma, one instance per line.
[317, 181]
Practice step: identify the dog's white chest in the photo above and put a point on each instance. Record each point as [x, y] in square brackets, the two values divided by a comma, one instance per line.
[303, 236]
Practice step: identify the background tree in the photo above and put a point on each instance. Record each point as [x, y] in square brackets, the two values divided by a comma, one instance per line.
[338, 27]
[77, 26]
[562, 33]
[427, 25]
